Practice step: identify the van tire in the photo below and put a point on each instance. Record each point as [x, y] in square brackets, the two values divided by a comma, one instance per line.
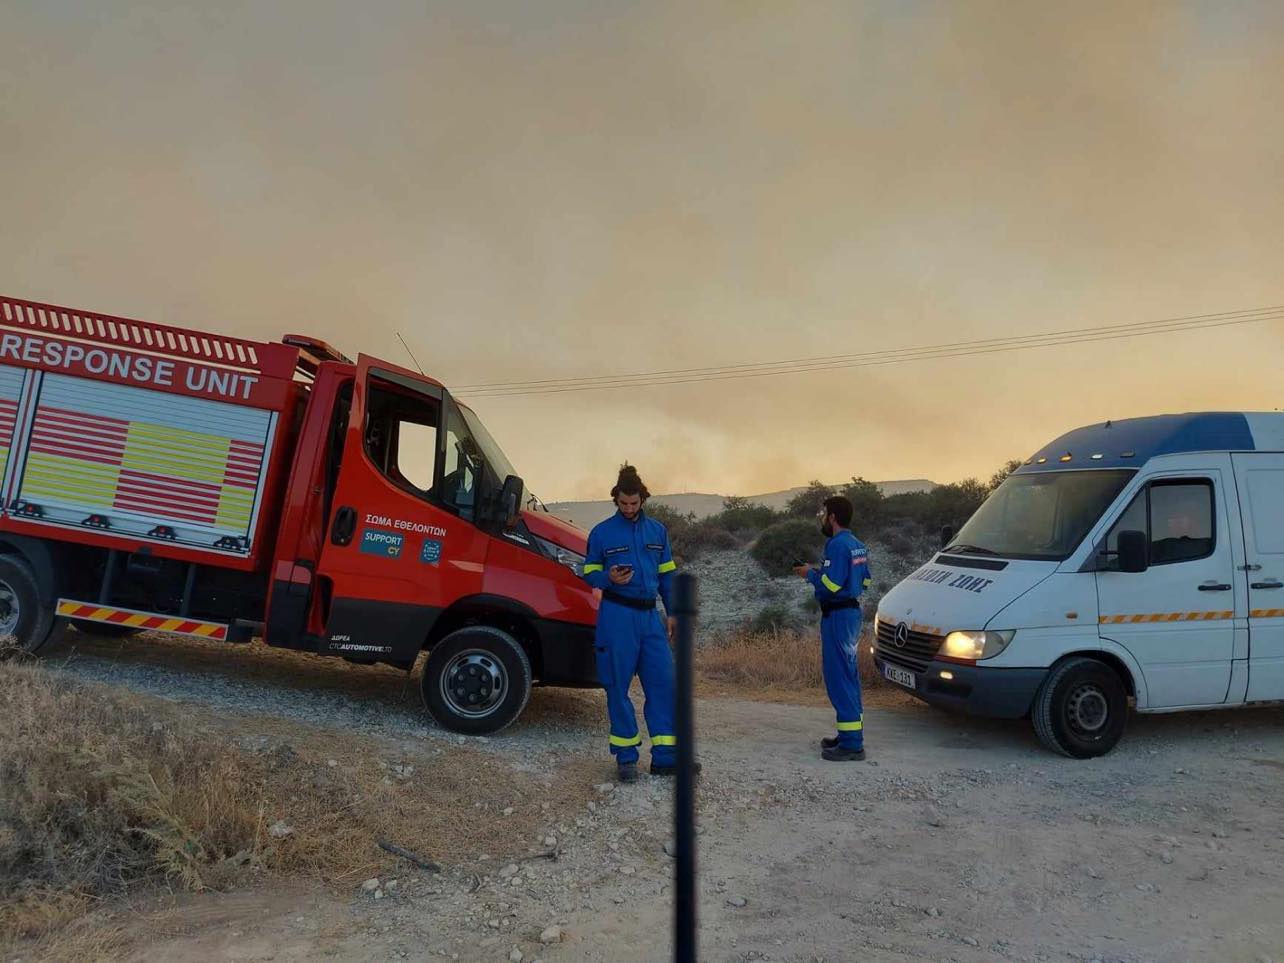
[33, 621]
[1081, 709]
[477, 680]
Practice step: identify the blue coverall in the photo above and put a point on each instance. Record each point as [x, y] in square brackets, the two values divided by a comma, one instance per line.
[633, 641]
[841, 578]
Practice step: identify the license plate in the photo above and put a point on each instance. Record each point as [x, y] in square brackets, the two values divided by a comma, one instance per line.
[900, 676]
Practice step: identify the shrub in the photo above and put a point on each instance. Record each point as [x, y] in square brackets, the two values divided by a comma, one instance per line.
[703, 538]
[808, 501]
[741, 515]
[773, 618]
[780, 545]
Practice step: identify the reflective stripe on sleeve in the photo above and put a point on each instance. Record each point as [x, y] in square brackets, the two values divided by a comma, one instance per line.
[626, 741]
[667, 567]
[592, 567]
[830, 584]
[664, 740]
[850, 726]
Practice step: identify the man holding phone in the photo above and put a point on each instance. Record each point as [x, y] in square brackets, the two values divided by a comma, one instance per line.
[838, 582]
[630, 561]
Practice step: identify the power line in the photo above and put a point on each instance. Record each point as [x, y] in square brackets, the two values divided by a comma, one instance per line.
[878, 358]
[839, 358]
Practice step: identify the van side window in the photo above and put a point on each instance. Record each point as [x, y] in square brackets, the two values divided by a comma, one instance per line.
[401, 435]
[1181, 521]
[1177, 517]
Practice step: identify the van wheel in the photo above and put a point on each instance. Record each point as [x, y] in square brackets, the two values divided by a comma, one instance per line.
[477, 680]
[1081, 709]
[27, 621]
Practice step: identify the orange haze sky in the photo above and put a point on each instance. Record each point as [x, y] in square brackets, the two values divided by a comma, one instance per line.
[562, 189]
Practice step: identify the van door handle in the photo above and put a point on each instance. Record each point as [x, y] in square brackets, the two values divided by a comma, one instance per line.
[345, 524]
[1268, 585]
[1215, 587]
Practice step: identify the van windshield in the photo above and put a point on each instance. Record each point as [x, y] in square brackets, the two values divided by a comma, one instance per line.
[1040, 516]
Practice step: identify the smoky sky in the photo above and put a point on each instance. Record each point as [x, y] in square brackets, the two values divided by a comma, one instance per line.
[559, 189]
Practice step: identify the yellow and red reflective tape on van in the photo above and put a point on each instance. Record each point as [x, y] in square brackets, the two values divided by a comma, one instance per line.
[148, 621]
[1166, 617]
[1266, 614]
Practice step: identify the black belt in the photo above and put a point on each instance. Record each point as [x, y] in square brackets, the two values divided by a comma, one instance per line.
[838, 604]
[640, 604]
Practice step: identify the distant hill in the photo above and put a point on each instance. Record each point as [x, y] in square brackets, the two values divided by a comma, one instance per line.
[588, 514]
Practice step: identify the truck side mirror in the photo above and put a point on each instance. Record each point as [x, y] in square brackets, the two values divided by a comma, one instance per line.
[510, 500]
[1133, 552]
[947, 535]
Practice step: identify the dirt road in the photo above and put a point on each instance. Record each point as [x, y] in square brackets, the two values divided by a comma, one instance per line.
[959, 840]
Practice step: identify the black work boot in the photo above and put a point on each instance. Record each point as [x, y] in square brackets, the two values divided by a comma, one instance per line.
[658, 770]
[628, 772]
[839, 754]
[829, 742]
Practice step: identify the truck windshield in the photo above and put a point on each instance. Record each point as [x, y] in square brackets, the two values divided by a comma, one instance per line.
[496, 460]
[1040, 516]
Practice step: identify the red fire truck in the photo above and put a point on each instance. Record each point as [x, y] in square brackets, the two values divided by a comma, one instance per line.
[162, 479]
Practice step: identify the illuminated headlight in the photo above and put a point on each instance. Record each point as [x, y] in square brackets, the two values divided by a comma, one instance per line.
[976, 645]
[564, 556]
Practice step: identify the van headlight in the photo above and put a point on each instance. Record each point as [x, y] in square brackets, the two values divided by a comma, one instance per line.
[572, 560]
[976, 645]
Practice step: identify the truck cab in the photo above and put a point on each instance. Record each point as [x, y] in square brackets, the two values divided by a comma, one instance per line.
[406, 529]
[156, 478]
[1133, 562]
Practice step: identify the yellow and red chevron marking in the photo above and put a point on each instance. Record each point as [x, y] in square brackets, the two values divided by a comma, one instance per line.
[109, 614]
[1166, 617]
[1266, 614]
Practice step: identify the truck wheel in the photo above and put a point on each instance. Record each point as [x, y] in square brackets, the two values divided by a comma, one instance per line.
[477, 680]
[104, 630]
[27, 622]
[1081, 709]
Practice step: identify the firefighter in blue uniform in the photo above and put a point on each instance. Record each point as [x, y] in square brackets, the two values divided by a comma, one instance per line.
[838, 582]
[630, 561]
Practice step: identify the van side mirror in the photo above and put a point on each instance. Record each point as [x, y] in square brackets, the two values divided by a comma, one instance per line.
[947, 535]
[1133, 552]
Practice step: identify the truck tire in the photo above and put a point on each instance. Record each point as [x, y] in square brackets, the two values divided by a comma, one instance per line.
[27, 621]
[1081, 709]
[476, 681]
[103, 630]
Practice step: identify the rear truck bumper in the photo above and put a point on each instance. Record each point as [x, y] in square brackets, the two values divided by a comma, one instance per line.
[976, 690]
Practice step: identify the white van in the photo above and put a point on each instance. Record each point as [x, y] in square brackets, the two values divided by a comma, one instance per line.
[1139, 559]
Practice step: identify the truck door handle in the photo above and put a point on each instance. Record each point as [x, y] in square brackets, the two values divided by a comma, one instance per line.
[1268, 585]
[1214, 587]
[345, 524]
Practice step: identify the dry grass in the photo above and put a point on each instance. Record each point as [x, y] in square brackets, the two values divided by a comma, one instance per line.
[778, 664]
[102, 795]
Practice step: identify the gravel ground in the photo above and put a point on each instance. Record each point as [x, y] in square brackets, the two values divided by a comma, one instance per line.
[958, 840]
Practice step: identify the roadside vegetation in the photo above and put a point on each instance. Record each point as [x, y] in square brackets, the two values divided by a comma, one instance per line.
[896, 521]
[104, 795]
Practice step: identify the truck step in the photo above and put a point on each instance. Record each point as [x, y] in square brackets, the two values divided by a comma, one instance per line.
[146, 621]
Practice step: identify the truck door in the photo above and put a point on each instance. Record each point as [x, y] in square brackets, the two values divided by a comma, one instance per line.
[401, 545]
[1177, 618]
[1261, 493]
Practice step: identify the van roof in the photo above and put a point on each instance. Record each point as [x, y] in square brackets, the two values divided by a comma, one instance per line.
[1131, 442]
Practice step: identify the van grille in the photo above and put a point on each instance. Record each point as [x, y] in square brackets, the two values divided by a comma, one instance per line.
[919, 649]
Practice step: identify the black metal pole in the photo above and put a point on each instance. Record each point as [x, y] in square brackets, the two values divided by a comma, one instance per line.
[684, 908]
